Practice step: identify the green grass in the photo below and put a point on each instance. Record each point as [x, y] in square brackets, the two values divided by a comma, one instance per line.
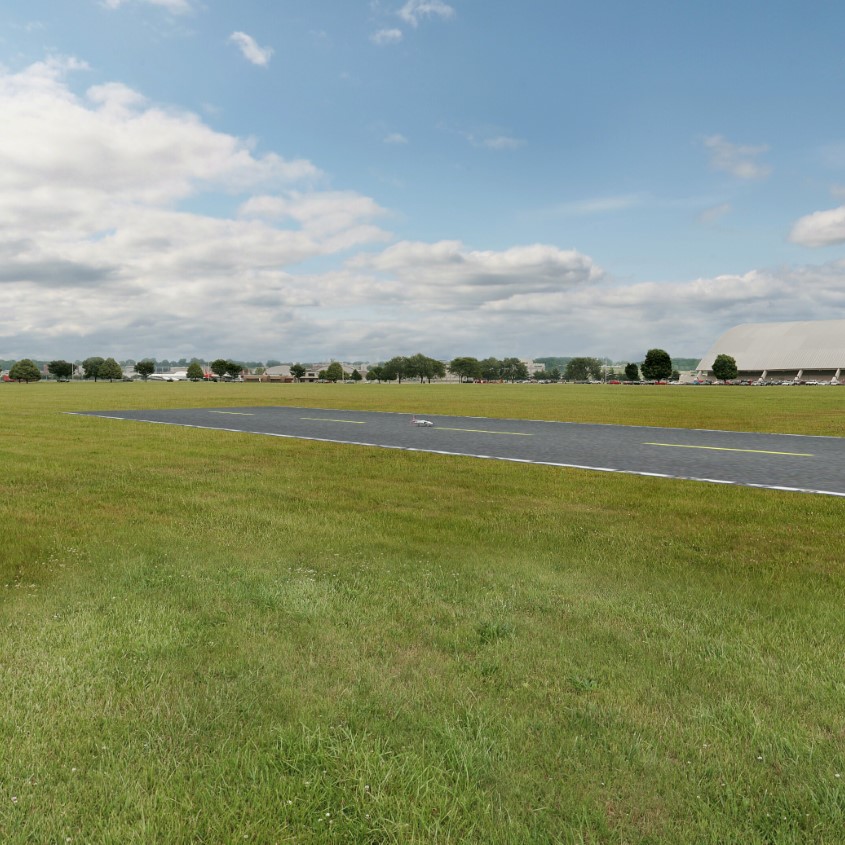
[211, 637]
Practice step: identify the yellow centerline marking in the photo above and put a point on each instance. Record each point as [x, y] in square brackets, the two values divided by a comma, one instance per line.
[726, 449]
[233, 413]
[326, 419]
[485, 431]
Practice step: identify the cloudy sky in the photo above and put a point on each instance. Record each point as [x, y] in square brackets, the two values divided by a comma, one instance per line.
[307, 179]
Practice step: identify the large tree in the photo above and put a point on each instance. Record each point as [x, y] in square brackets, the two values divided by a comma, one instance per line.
[514, 370]
[219, 366]
[490, 369]
[91, 367]
[657, 365]
[234, 369]
[194, 372]
[632, 372]
[465, 368]
[24, 370]
[374, 373]
[145, 368]
[396, 368]
[581, 369]
[425, 368]
[110, 370]
[60, 370]
[334, 371]
[724, 367]
[297, 371]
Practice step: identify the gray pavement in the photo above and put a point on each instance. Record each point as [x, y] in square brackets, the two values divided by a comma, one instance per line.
[774, 461]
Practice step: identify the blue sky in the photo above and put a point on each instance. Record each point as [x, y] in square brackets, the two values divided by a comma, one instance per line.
[304, 179]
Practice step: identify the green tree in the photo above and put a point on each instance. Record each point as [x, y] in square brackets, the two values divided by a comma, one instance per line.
[466, 368]
[553, 374]
[632, 372]
[145, 368]
[334, 372]
[395, 368]
[218, 366]
[195, 372]
[374, 373]
[581, 369]
[297, 371]
[490, 369]
[425, 368]
[234, 369]
[60, 370]
[356, 376]
[110, 370]
[514, 370]
[24, 370]
[724, 368]
[91, 367]
[657, 365]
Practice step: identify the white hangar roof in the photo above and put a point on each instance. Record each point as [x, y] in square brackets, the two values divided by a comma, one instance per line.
[808, 345]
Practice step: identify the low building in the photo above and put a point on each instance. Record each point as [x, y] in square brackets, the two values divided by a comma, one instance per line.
[812, 350]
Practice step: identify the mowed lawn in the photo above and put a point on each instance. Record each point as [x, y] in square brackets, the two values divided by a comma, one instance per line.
[211, 637]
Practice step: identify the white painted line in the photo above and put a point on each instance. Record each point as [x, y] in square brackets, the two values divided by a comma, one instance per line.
[233, 413]
[639, 473]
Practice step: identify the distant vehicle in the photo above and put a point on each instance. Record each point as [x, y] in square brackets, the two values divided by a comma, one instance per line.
[417, 421]
[180, 376]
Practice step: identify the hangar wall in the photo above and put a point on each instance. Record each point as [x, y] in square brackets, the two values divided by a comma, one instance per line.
[815, 348]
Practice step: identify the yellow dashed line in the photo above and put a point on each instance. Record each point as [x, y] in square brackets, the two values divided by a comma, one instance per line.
[485, 431]
[726, 449]
[325, 419]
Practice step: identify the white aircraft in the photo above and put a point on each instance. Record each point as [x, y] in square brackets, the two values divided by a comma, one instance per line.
[182, 375]
[415, 421]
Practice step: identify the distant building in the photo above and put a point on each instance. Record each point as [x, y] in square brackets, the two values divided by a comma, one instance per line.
[281, 374]
[799, 351]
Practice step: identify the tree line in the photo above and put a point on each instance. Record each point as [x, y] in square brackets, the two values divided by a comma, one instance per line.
[657, 366]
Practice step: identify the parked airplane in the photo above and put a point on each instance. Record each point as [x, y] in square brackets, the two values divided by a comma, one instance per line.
[415, 421]
[181, 375]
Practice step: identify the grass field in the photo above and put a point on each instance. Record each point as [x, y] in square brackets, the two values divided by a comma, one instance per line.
[211, 637]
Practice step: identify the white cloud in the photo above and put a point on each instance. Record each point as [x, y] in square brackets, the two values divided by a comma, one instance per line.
[738, 160]
[94, 246]
[822, 228]
[714, 214]
[386, 36]
[179, 7]
[446, 300]
[98, 255]
[251, 51]
[446, 275]
[395, 138]
[491, 140]
[503, 142]
[415, 10]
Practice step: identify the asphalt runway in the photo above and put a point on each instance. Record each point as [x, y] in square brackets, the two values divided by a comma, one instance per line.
[773, 461]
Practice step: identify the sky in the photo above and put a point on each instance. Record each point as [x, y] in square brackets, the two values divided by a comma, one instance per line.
[357, 179]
